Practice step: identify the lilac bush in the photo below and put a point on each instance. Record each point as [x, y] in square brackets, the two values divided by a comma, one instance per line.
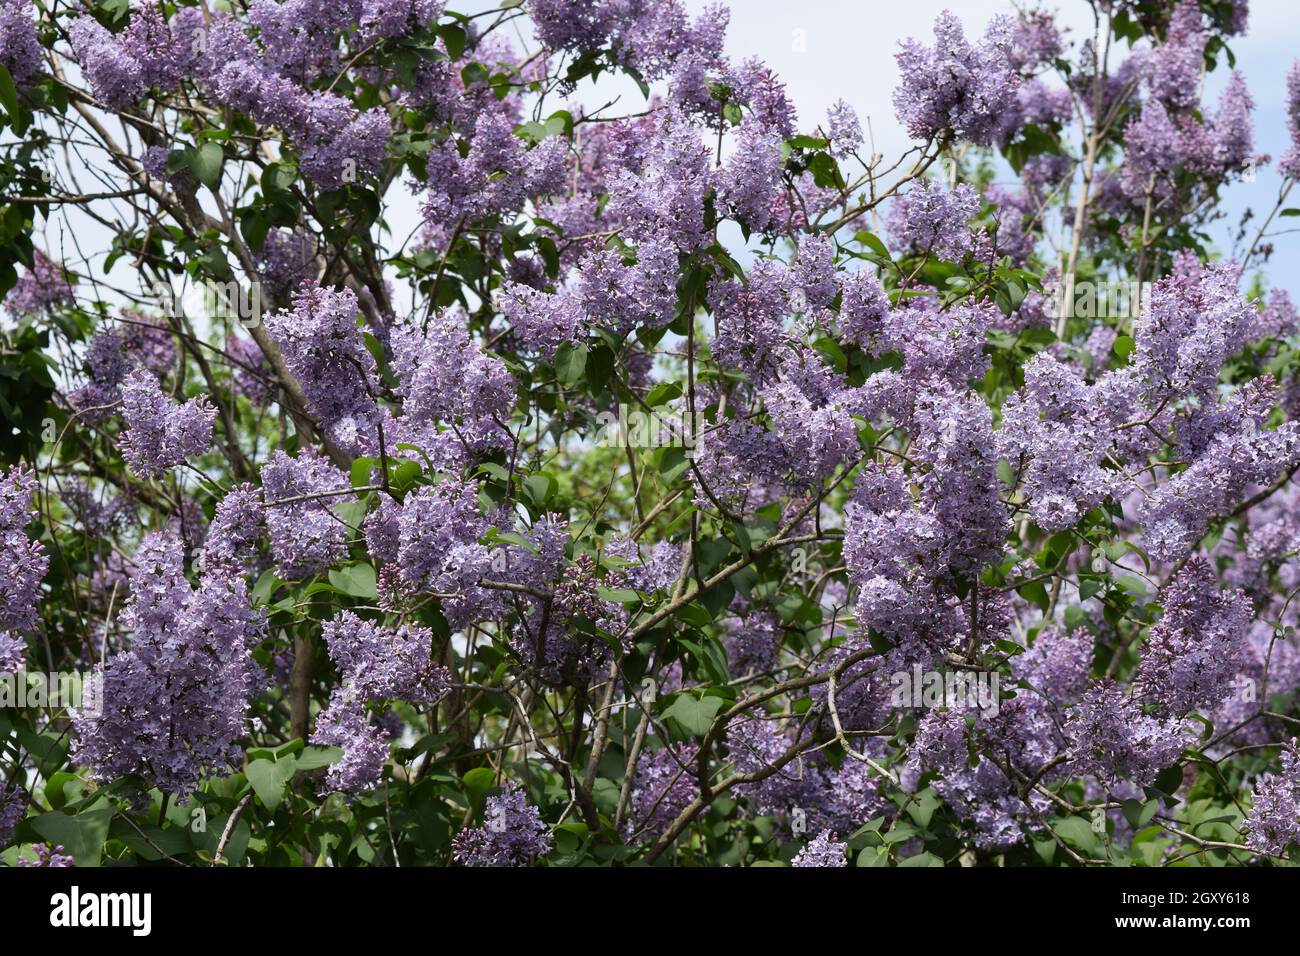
[443, 465]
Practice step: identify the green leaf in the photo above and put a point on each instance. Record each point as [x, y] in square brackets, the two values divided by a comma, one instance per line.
[9, 99]
[355, 580]
[570, 363]
[83, 835]
[314, 758]
[206, 162]
[663, 393]
[922, 859]
[694, 714]
[454, 38]
[1139, 812]
[269, 778]
[1077, 832]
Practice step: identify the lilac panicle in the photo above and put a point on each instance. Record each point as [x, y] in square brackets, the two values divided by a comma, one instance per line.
[160, 434]
[513, 833]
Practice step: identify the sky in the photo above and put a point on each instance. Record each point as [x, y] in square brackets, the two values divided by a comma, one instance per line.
[826, 50]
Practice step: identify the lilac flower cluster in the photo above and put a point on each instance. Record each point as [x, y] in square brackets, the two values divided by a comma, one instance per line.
[48, 856]
[106, 365]
[174, 702]
[1056, 432]
[20, 51]
[956, 87]
[496, 176]
[1110, 737]
[377, 663]
[160, 434]
[306, 537]
[236, 530]
[513, 833]
[663, 786]
[1196, 649]
[1274, 821]
[25, 561]
[324, 349]
[823, 850]
[43, 287]
[1289, 164]
[649, 37]
[446, 380]
[931, 220]
[285, 260]
[13, 804]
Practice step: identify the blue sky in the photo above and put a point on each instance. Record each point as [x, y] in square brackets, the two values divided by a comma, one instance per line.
[826, 50]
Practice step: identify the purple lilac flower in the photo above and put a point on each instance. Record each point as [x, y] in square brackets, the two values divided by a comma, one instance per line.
[285, 260]
[1057, 665]
[250, 369]
[667, 197]
[1231, 451]
[1035, 41]
[931, 220]
[306, 537]
[1234, 132]
[25, 560]
[42, 287]
[562, 653]
[446, 380]
[147, 342]
[864, 306]
[940, 742]
[755, 644]
[115, 76]
[818, 435]
[1109, 737]
[843, 129]
[822, 850]
[541, 321]
[955, 86]
[13, 804]
[1289, 165]
[1274, 821]
[160, 434]
[1056, 429]
[13, 652]
[954, 435]
[107, 365]
[750, 179]
[614, 295]
[1174, 72]
[749, 319]
[345, 724]
[379, 663]
[173, 703]
[20, 51]
[1196, 320]
[325, 351]
[236, 530]
[1196, 649]
[513, 833]
[48, 856]
[663, 785]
